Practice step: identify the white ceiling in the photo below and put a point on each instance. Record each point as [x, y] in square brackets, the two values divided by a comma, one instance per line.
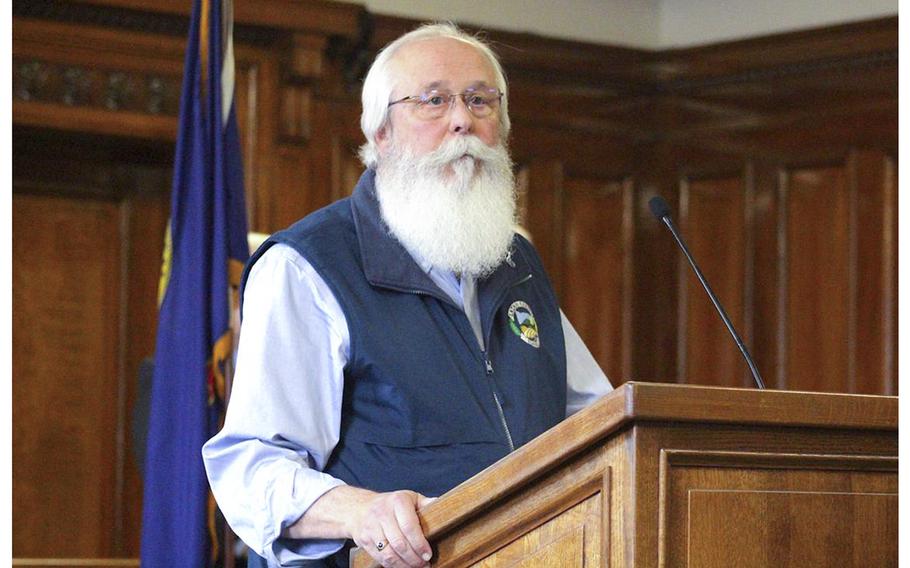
[649, 24]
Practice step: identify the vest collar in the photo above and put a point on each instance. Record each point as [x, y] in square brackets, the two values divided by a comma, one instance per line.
[388, 264]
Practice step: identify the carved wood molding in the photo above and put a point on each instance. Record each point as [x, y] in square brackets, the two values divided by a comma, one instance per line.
[560, 61]
[59, 83]
[837, 45]
[743, 89]
[127, 37]
[322, 17]
[672, 96]
[623, 70]
[109, 89]
[766, 460]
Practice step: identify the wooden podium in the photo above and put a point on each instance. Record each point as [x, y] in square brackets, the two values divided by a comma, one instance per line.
[672, 475]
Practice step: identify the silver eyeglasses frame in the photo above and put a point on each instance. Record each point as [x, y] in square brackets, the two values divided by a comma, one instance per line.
[492, 99]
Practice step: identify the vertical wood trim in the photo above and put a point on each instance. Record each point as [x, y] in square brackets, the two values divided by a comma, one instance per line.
[852, 265]
[628, 275]
[663, 478]
[783, 275]
[557, 248]
[749, 240]
[123, 338]
[765, 290]
[263, 196]
[682, 314]
[889, 278]
[606, 514]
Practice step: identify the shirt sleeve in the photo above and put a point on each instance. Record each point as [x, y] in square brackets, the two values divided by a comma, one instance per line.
[284, 415]
[585, 380]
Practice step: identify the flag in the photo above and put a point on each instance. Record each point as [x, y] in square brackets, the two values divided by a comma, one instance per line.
[205, 249]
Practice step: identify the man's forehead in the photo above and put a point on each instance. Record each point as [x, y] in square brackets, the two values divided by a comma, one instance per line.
[440, 62]
[445, 85]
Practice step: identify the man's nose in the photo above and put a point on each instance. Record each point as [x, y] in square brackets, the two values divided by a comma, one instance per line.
[461, 119]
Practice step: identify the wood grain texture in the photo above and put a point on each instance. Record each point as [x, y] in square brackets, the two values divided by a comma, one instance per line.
[767, 528]
[92, 48]
[873, 176]
[570, 498]
[662, 501]
[120, 260]
[781, 408]
[561, 542]
[775, 509]
[326, 17]
[67, 340]
[818, 241]
[713, 212]
[597, 291]
[648, 442]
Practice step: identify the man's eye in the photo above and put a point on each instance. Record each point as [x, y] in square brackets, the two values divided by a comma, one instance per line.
[478, 100]
[434, 100]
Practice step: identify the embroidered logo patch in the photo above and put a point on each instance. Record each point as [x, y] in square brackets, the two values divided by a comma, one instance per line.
[522, 322]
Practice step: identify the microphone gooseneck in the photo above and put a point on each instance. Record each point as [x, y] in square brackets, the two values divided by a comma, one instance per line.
[661, 211]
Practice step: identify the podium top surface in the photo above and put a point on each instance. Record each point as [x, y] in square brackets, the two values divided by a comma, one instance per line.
[661, 401]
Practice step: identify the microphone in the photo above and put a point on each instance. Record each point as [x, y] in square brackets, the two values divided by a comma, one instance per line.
[661, 211]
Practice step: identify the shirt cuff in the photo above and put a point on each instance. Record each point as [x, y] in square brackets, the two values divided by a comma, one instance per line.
[291, 552]
[287, 551]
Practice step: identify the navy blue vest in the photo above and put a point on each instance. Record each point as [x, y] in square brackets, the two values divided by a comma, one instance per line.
[424, 407]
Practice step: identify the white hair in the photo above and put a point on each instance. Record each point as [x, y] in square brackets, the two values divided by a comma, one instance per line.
[379, 84]
[464, 190]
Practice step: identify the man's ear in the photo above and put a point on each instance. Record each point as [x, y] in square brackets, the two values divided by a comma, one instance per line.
[383, 138]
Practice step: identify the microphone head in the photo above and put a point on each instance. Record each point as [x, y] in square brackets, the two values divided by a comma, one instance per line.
[659, 207]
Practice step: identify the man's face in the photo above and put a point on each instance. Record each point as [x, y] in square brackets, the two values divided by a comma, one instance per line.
[446, 65]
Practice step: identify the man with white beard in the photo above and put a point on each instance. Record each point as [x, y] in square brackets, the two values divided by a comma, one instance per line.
[399, 341]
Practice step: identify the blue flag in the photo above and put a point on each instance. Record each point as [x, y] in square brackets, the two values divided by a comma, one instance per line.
[205, 249]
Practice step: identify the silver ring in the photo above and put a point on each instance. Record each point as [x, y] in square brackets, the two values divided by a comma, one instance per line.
[380, 545]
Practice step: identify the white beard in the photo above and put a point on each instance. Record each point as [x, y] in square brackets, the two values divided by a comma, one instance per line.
[455, 206]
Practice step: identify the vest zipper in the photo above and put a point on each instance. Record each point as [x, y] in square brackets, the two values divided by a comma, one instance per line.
[489, 365]
[489, 368]
[502, 414]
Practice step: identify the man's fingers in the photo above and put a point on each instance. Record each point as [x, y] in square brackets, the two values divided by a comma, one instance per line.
[390, 531]
[377, 545]
[400, 545]
[406, 515]
[423, 501]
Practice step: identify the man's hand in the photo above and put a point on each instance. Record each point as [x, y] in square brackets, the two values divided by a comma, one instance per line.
[387, 527]
[383, 524]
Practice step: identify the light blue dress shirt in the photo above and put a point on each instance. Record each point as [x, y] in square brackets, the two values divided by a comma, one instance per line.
[284, 417]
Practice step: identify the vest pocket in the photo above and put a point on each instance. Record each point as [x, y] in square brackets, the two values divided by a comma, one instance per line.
[425, 436]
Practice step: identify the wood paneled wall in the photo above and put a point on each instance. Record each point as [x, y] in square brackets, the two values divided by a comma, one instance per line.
[777, 154]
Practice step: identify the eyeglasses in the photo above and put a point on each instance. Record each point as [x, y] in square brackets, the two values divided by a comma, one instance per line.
[435, 104]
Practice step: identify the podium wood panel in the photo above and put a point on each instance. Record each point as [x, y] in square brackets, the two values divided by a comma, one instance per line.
[671, 475]
[785, 528]
[765, 509]
[571, 539]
